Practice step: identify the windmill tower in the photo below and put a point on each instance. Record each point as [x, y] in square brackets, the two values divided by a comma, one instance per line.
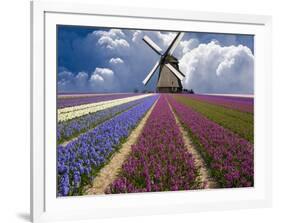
[170, 77]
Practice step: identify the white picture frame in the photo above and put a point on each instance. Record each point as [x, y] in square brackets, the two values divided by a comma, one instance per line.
[44, 204]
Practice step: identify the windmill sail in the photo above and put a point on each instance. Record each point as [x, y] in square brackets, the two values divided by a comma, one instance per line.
[151, 73]
[170, 77]
[174, 43]
[175, 71]
[153, 45]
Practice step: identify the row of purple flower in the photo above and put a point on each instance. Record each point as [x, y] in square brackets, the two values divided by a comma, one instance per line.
[229, 157]
[237, 103]
[82, 99]
[71, 128]
[159, 160]
[80, 160]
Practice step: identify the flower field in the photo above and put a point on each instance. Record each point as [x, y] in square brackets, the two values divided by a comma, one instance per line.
[69, 101]
[93, 129]
[76, 111]
[159, 161]
[239, 122]
[230, 157]
[237, 103]
[70, 128]
[82, 157]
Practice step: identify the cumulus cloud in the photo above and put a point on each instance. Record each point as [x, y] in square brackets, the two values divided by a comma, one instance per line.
[111, 33]
[104, 72]
[112, 39]
[65, 75]
[103, 80]
[166, 37]
[116, 60]
[136, 35]
[163, 39]
[188, 45]
[211, 65]
[65, 78]
[96, 78]
[112, 43]
[97, 46]
[211, 68]
[81, 77]
[68, 81]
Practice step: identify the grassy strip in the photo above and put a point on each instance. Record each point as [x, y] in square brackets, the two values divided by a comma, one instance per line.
[241, 123]
[228, 157]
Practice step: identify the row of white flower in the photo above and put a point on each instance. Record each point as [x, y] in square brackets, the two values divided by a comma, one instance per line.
[68, 113]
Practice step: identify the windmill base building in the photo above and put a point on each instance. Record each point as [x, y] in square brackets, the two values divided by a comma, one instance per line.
[168, 82]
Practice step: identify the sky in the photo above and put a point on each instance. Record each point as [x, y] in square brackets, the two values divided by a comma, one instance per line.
[99, 60]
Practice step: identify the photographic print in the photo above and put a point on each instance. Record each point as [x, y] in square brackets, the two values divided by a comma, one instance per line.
[153, 111]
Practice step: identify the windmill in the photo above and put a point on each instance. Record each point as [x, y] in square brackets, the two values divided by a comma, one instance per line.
[170, 77]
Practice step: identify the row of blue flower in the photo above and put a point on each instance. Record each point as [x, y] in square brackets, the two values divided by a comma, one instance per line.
[69, 129]
[80, 159]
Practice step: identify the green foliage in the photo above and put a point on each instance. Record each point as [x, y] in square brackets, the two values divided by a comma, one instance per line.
[242, 123]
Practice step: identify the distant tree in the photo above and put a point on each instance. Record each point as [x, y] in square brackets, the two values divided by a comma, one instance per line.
[187, 91]
[136, 90]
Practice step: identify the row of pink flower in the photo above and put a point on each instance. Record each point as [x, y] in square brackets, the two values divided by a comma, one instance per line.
[84, 99]
[237, 103]
[159, 160]
[229, 157]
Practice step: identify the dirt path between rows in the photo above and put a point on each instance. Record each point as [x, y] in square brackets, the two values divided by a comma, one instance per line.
[110, 171]
[199, 162]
